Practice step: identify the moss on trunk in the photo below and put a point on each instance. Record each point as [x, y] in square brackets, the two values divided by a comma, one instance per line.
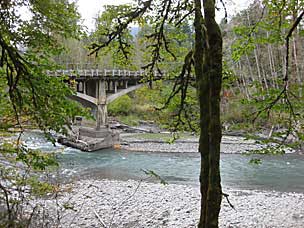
[208, 70]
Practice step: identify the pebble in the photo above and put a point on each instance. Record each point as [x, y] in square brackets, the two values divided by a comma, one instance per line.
[188, 146]
[172, 206]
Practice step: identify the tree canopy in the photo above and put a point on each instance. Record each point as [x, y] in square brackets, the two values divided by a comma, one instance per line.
[180, 40]
[31, 36]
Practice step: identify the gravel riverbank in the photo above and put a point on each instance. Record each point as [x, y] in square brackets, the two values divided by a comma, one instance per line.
[127, 204]
[99, 203]
[229, 145]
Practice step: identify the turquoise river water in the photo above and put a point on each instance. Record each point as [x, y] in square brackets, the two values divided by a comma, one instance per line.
[280, 172]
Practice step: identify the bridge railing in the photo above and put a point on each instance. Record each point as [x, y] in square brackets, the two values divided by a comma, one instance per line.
[101, 73]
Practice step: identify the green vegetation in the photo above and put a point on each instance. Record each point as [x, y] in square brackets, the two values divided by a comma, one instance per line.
[260, 71]
[122, 105]
[149, 104]
[23, 168]
[130, 119]
[258, 41]
[30, 96]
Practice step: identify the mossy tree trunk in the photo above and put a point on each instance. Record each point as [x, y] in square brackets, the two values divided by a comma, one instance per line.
[208, 70]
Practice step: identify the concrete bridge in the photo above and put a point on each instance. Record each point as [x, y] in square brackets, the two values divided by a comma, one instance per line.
[97, 88]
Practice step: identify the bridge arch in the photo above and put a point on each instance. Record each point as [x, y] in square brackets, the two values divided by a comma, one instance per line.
[120, 93]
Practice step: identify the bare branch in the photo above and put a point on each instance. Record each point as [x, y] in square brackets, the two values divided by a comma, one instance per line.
[227, 198]
[122, 27]
[291, 30]
[284, 92]
[100, 219]
[225, 10]
[182, 79]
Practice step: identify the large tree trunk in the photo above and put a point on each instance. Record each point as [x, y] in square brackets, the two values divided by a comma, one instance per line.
[208, 70]
[203, 93]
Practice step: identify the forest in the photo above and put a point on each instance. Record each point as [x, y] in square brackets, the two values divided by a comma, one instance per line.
[254, 66]
[238, 77]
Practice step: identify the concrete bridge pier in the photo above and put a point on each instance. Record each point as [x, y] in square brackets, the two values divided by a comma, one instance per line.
[100, 137]
[102, 114]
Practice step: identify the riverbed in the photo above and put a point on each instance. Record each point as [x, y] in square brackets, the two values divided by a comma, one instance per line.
[283, 173]
[137, 204]
[108, 184]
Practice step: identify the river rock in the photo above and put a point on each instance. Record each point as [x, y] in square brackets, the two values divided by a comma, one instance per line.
[140, 204]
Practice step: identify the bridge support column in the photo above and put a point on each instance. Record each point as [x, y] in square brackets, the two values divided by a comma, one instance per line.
[125, 84]
[84, 87]
[114, 86]
[102, 114]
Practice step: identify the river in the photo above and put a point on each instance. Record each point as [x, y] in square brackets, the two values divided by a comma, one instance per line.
[280, 172]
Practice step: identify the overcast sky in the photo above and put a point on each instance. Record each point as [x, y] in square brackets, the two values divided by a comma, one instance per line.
[89, 9]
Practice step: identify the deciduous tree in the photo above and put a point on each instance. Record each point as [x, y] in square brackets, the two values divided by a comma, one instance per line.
[204, 61]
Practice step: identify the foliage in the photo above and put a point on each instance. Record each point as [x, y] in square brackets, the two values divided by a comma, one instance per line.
[202, 59]
[75, 54]
[26, 58]
[268, 62]
[236, 112]
[173, 118]
[29, 42]
[148, 104]
[122, 105]
[130, 119]
[271, 150]
[120, 47]
[22, 173]
[255, 161]
[151, 173]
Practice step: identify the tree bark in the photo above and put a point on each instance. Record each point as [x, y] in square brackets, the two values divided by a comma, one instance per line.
[272, 67]
[214, 70]
[208, 70]
[203, 94]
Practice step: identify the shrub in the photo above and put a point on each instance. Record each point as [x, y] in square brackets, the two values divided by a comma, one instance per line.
[122, 105]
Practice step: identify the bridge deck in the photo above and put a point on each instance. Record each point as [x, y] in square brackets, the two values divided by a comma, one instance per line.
[96, 73]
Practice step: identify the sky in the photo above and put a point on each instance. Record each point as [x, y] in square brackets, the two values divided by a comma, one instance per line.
[89, 9]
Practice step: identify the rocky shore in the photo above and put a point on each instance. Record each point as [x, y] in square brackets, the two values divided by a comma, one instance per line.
[134, 204]
[126, 204]
[133, 142]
